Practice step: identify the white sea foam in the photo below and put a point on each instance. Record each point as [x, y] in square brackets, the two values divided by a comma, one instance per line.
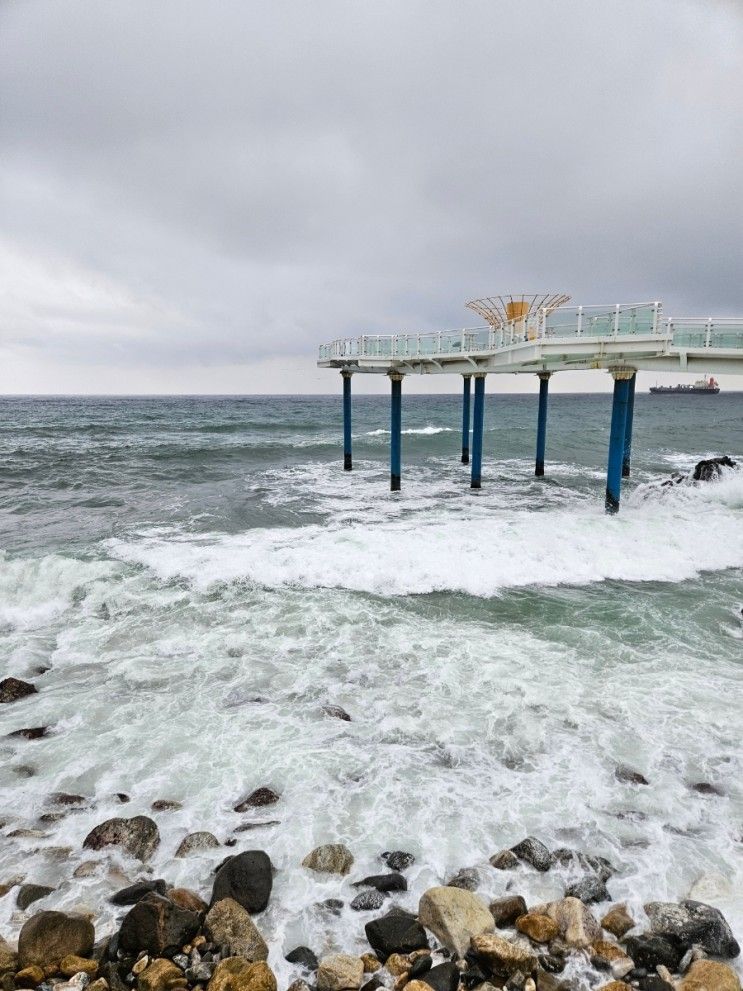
[428, 431]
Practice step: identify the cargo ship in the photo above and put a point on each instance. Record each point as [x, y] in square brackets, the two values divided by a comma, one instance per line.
[702, 387]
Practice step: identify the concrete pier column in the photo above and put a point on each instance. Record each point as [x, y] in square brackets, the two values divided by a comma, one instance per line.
[616, 439]
[395, 430]
[626, 460]
[466, 419]
[347, 459]
[478, 420]
[544, 384]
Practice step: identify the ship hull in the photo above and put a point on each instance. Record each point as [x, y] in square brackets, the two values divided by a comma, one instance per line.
[667, 390]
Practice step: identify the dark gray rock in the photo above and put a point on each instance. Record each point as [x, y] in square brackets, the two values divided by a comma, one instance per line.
[707, 788]
[585, 862]
[13, 689]
[420, 966]
[396, 932]
[468, 879]
[303, 956]
[533, 852]
[137, 891]
[383, 882]
[248, 878]
[29, 733]
[711, 468]
[336, 712]
[367, 901]
[630, 776]
[506, 910]
[30, 893]
[504, 860]
[65, 798]
[398, 860]
[443, 977]
[648, 950]
[139, 836]
[157, 926]
[692, 923]
[258, 799]
[590, 889]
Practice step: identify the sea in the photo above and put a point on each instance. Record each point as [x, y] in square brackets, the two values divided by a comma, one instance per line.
[191, 581]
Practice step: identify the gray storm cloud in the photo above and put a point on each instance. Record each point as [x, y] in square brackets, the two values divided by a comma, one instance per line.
[195, 195]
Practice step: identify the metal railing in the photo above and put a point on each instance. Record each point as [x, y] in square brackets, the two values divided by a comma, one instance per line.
[622, 320]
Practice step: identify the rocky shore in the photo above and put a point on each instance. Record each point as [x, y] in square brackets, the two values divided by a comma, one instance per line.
[171, 938]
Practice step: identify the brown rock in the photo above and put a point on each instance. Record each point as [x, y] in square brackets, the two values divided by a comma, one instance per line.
[502, 955]
[370, 962]
[340, 972]
[618, 921]
[29, 977]
[506, 910]
[139, 836]
[332, 858]
[257, 799]
[229, 924]
[185, 898]
[397, 964]
[30, 893]
[65, 798]
[454, 916]
[578, 927]
[100, 985]
[416, 985]
[539, 928]
[196, 842]
[8, 957]
[707, 975]
[238, 974]
[159, 976]
[615, 986]
[166, 805]
[71, 965]
[30, 733]
[47, 937]
[504, 860]
[13, 689]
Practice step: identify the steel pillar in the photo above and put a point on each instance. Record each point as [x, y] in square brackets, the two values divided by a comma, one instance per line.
[626, 460]
[478, 420]
[544, 384]
[395, 430]
[616, 439]
[347, 460]
[466, 419]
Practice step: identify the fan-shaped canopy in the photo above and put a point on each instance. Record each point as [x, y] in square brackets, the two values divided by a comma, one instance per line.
[497, 310]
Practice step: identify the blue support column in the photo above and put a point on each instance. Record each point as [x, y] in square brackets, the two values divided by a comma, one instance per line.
[395, 430]
[544, 384]
[478, 420]
[626, 461]
[466, 419]
[347, 460]
[616, 440]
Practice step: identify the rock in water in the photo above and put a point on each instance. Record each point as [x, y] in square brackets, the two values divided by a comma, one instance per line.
[340, 973]
[257, 799]
[228, 924]
[649, 951]
[506, 910]
[185, 898]
[589, 889]
[630, 776]
[196, 843]
[539, 928]
[693, 923]
[578, 927]
[444, 977]
[332, 858]
[711, 468]
[383, 882]
[502, 955]
[49, 936]
[13, 689]
[135, 892]
[706, 975]
[336, 712]
[367, 901]
[30, 893]
[157, 926]
[454, 916]
[398, 860]
[303, 956]
[138, 836]
[504, 860]
[237, 974]
[533, 852]
[396, 932]
[618, 921]
[247, 878]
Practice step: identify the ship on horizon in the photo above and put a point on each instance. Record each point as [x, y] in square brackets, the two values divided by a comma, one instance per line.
[707, 386]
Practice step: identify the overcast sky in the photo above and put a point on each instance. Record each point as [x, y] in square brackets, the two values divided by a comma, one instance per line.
[194, 195]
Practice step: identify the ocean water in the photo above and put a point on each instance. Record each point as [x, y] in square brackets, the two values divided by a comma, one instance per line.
[199, 578]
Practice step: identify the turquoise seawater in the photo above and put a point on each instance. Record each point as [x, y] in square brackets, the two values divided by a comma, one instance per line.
[198, 577]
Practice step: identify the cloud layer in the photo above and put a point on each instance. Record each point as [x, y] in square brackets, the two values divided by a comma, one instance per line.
[195, 195]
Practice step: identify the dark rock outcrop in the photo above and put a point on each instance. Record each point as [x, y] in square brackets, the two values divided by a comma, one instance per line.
[395, 932]
[137, 891]
[303, 956]
[648, 951]
[630, 776]
[248, 878]
[711, 468]
[13, 689]
[29, 733]
[690, 923]
[30, 893]
[139, 836]
[590, 889]
[257, 799]
[157, 926]
[533, 852]
[383, 882]
[443, 977]
[398, 860]
[366, 901]
[506, 910]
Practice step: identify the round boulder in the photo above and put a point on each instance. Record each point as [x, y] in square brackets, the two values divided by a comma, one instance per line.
[139, 836]
[247, 878]
[47, 937]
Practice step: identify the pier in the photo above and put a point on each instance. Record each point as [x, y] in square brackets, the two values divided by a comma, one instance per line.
[538, 334]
